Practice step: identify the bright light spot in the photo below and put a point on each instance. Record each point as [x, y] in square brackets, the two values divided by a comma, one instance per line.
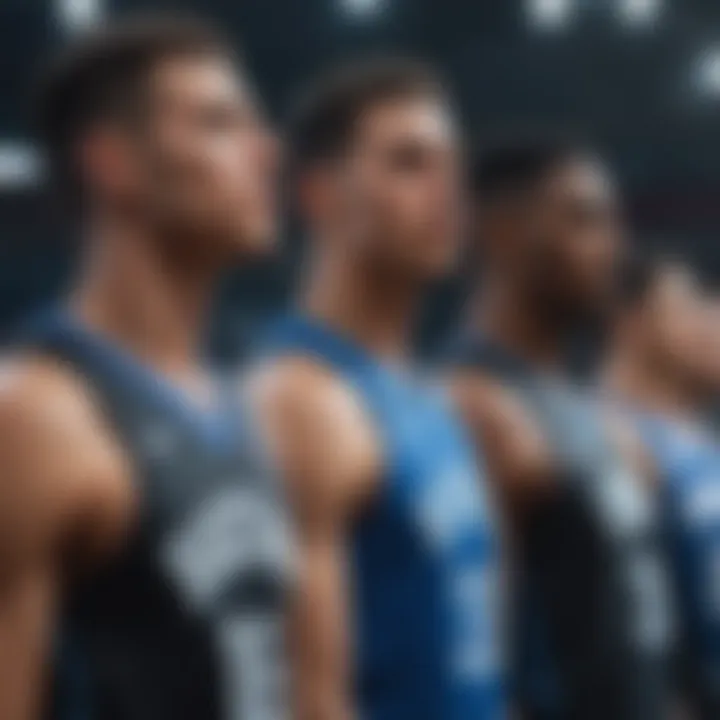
[639, 13]
[707, 76]
[550, 14]
[362, 8]
[20, 166]
[77, 15]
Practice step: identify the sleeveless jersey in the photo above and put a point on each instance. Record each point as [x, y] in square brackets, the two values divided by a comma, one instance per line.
[689, 461]
[186, 622]
[424, 553]
[593, 624]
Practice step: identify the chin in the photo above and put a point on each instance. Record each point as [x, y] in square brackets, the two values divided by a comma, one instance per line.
[441, 266]
[435, 272]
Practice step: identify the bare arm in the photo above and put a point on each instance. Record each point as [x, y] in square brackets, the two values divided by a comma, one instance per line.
[329, 459]
[49, 509]
[27, 599]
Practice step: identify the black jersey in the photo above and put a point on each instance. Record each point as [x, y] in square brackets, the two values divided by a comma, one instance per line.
[594, 623]
[186, 623]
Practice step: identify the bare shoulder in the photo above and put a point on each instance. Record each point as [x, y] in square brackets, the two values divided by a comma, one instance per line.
[511, 438]
[318, 426]
[63, 473]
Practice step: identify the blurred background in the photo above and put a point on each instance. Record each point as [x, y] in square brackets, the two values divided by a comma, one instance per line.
[642, 77]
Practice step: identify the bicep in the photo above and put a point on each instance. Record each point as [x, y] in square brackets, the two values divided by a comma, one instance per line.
[328, 456]
[28, 563]
[65, 488]
[510, 442]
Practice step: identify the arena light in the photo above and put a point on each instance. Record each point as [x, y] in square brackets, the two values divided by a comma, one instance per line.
[20, 166]
[639, 13]
[77, 15]
[550, 14]
[707, 73]
[362, 8]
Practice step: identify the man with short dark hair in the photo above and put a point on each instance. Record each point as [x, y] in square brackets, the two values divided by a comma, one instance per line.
[134, 504]
[398, 615]
[593, 624]
[657, 370]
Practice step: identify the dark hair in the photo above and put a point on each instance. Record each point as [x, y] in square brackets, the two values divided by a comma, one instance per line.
[325, 118]
[512, 168]
[102, 75]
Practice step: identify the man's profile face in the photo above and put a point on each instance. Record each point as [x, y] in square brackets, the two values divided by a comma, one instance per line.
[575, 237]
[210, 160]
[400, 185]
[673, 322]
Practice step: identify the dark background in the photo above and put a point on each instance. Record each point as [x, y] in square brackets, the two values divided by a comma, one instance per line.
[642, 77]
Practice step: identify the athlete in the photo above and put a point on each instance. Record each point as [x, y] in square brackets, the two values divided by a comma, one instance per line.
[657, 371]
[591, 597]
[141, 536]
[397, 617]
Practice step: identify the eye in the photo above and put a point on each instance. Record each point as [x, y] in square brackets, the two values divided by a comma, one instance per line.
[220, 117]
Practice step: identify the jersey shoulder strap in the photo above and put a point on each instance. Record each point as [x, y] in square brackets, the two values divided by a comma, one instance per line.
[478, 352]
[298, 334]
[56, 335]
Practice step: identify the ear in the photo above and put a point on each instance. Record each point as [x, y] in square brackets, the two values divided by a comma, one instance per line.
[316, 191]
[107, 159]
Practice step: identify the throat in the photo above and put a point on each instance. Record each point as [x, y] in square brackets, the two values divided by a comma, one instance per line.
[376, 312]
[504, 319]
[128, 292]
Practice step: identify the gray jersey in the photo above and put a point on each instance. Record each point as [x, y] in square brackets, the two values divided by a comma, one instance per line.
[187, 622]
[595, 617]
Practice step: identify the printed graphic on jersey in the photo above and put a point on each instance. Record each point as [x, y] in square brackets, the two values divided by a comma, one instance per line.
[232, 533]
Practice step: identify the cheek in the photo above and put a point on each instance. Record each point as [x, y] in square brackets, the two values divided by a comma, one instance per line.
[546, 260]
[406, 208]
[371, 207]
[672, 334]
[603, 249]
[241, 179]
[595, 266]
[427, 201]
[229, 172]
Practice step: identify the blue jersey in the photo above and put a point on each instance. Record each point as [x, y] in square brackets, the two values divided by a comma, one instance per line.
[689, 462]
[425, 554]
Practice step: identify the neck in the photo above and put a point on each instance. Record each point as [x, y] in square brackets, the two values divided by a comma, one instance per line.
[628, 376]
[375, 310]
[141, 294]
[504, 316]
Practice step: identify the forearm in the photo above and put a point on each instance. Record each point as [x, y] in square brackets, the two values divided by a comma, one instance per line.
[323, 688]
[26, 614]
[321, 703]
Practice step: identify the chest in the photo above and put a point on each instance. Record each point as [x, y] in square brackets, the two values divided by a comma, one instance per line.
[438, 483]
[596, 473]
[693, 507]
[213, 529]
